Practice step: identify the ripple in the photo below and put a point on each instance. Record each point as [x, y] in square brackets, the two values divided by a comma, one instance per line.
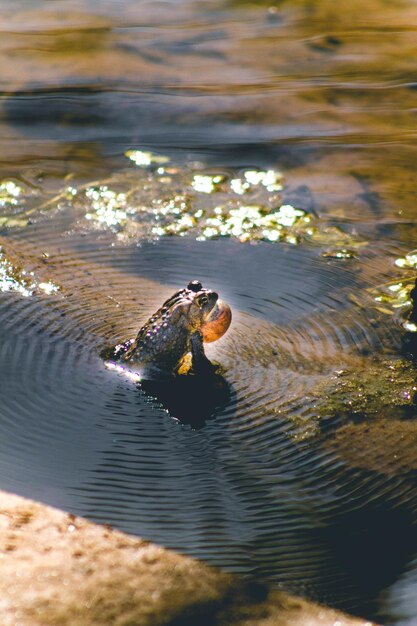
[248, 480]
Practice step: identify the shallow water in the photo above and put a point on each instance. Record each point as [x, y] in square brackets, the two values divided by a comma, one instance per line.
[248, 475]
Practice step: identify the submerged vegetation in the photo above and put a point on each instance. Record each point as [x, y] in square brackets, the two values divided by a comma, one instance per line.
[159, 199]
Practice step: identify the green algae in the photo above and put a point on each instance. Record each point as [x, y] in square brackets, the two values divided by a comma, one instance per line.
[362, 392]
[371, 390]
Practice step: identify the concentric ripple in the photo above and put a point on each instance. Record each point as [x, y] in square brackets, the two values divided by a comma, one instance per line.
[238, 474]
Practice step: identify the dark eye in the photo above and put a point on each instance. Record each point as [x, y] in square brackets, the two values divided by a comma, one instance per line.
[202, 300]
[195, 286]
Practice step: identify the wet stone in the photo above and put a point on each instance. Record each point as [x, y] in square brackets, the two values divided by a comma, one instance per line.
[93, 577]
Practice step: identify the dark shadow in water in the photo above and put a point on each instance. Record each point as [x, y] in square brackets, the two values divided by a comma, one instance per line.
[190, 399]
[373, 544]
[107, 120]
[409, 345]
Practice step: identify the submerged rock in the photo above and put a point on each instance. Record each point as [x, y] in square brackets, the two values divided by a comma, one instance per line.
[369, 391]
[367, 416]
[386, 446]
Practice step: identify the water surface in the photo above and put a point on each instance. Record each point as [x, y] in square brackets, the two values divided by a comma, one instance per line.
[257, 484]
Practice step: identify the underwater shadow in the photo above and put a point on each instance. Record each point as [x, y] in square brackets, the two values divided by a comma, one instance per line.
[190, 399]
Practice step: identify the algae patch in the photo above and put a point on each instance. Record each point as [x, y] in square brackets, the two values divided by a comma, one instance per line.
[185, 201]
[159, 199]
[398, 297]
[363, 393]
[155, 198]
[370, 391]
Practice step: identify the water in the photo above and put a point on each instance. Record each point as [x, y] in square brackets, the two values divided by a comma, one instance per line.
[253, 481]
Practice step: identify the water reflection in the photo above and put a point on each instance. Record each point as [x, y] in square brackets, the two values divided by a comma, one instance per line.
[236, 81]
[190, 399]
